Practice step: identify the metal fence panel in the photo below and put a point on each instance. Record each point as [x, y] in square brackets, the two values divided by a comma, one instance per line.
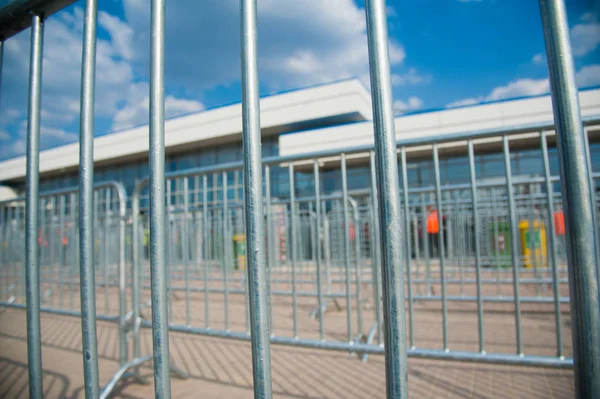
[482, 243]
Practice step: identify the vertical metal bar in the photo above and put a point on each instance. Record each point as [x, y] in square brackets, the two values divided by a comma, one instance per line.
[205, 246]
[346, 240]
[158, 267]
[532, 246]
[294, 247]
[514, 243]
[185, 236]
[51, 243]
[270, 244]
[317, 239]
[462, 241]
[253, 204]
[86, 206]
[63, 248]
[477, 234]
[357, 267]
[73, 241]
[411, 326]
[225, 244]
[496, 243]
[137, 269]
[170, 254]
[417, 248]
[578, 199]
[32, 203]
[376, 248]
[426, 246]
[440, 237]
[552, 242]
[593, 197]
[389, 205]
[122, 214]
[106, 244]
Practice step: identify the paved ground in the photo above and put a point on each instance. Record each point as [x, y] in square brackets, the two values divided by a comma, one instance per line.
[222, 368]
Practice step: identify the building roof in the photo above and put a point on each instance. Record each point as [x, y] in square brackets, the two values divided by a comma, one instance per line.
[322, 118]
[318, 106]
[499, 115]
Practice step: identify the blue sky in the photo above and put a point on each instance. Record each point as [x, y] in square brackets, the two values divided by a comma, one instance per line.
[444, 53]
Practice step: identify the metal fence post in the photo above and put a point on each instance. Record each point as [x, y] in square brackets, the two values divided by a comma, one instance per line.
[577, 195]
[396, 363]
[86, 204]
[253, 203]
[32, 203]
[158, 220]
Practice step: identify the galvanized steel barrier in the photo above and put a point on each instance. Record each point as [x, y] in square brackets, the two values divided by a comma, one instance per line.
[192, 221]
[58, 240]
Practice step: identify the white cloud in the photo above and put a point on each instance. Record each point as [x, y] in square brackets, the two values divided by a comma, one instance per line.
[520, 88]
[585, 36]
[411, 77]
[57, 134]
[300, 43]
[516, 88]
[539, 58]
[4, 136]
[14, 148]
[120, 32]
[464, 102]
[136, 111]
[588, 76]
[61, 79]
[413, 103]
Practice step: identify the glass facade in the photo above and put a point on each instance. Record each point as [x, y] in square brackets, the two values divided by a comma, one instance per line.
[453, 170]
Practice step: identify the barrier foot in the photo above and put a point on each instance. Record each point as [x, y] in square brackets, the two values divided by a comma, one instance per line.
[121, 373]
[369, 340]
[178, 373]
[318, 313]
[124, 373]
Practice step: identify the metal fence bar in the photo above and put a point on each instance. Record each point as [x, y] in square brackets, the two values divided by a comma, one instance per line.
[136, 272]
[320, 312]
[590, 174]
[86, 204]
[578, 199]
[32, 203]
[411, 318]
[552, 242]
[158, 266]
[270, 243]
[346, 246]
[123, 351]
[514, 233]
[106, 238]
[440, 239]
[477, 233]
[389, 205]
[376, 250]
[225, 247]
[185, 236]
[294, 247]
[205, 234]
[253, 204]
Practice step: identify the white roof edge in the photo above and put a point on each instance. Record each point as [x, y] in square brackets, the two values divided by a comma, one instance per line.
[313, 103]
[498, 115]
